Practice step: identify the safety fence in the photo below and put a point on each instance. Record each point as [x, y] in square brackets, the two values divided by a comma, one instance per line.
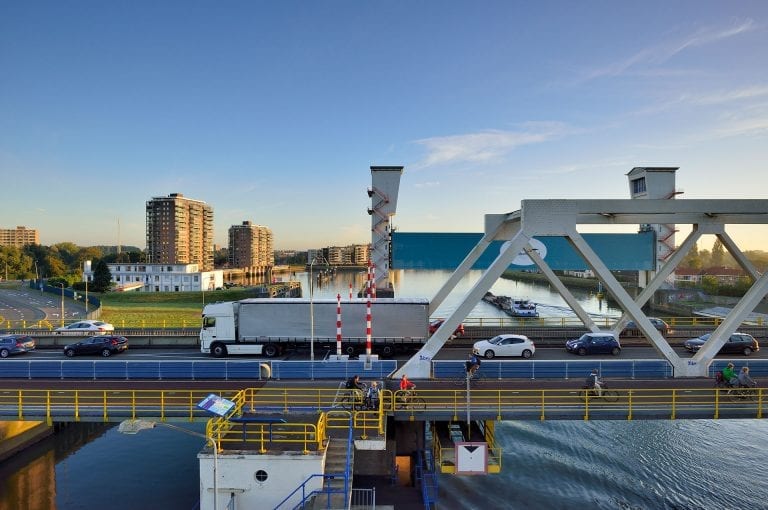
[101, 369]
[567, 402]
[191, 326]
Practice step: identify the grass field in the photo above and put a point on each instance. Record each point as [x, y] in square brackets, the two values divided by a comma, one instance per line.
[162, 309]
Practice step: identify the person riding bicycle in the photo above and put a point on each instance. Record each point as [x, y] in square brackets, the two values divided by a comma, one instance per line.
[729, 376]
[372, 396]
[405, 384]
[472, 364]
[406, 387]
[594, 383]
[745, 381]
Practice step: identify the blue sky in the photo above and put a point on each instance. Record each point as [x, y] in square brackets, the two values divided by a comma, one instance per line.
[274, 111]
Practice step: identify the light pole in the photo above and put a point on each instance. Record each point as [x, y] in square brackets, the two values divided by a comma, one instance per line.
[136, 426]
[316, 258]
[62, 304]
[86, 296]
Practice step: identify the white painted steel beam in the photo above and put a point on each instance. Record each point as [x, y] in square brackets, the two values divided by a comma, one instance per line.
[419, 365]
[563, 290]
[677, 256]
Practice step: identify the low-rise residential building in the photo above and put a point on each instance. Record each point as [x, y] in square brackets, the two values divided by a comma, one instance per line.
[143, 277]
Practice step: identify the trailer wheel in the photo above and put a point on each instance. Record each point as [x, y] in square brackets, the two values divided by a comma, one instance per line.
[270, 350]
[387, 351]
[219, 350]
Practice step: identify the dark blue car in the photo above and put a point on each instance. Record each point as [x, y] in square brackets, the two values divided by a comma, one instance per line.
[594, 343]
[15, 344]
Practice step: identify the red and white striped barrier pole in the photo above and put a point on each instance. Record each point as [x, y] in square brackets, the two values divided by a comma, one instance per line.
[368, 283]
[350, 292]
[368, 327]
[338, 324]
[373, 281]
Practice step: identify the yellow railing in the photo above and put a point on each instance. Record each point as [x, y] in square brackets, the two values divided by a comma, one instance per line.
[112, 405]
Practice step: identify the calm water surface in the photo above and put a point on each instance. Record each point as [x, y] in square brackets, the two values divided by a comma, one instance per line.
[686, 464]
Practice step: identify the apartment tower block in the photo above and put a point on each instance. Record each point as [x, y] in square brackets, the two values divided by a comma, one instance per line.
[251, 246]
[19, 237]
[180, 231]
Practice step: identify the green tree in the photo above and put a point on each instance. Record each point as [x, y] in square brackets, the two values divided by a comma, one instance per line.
[102, 278]
[693, 258]
[718, 253]
[710, 285]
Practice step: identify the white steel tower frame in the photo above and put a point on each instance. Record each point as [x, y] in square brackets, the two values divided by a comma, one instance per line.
[561, 218]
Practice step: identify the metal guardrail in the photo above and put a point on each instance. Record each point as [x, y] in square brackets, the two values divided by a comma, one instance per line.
[578, 367]
[192, 326]
[439, 404]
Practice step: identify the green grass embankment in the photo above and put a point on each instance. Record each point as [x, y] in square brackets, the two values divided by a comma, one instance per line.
[162, 309]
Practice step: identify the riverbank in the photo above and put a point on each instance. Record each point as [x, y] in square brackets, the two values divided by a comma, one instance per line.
[673, 302]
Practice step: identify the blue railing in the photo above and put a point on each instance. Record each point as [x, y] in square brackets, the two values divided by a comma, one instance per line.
[260, 370]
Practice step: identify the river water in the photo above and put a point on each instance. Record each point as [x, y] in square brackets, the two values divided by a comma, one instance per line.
[685, 464]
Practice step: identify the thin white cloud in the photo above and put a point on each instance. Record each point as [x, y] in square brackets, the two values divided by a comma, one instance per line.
[487, 145]
[661, 53]
[428, 184]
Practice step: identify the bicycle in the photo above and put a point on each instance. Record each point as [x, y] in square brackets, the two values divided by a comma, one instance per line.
[462, 380]
[743, 393]
[354, 399]
[410, 400]
[589, 393]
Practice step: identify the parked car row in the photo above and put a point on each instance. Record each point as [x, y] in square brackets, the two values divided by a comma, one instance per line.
[105, 345]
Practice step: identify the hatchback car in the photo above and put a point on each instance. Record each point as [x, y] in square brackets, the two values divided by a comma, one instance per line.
[739, 343]
[435, 325]
[85, 326]
[659, 324]
[15, 344]
[505, 345]
[106, 345]
[594, 343]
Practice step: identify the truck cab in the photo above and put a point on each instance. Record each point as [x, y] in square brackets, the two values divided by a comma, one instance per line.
[218, 329]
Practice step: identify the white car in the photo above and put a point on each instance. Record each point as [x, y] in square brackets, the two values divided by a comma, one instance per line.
[89, 326]
[505, 345]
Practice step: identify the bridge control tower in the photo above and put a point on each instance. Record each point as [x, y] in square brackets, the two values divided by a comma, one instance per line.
[655, 183]
[383, 193]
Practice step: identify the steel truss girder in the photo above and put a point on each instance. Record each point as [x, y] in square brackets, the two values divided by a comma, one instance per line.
[560, 218]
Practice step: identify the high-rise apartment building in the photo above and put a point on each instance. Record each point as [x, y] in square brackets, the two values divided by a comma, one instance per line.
[180, 231]
[19, 237]
[251, 246]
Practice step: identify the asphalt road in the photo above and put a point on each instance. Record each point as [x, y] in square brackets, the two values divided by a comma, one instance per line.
[23, 303]
[446, 354]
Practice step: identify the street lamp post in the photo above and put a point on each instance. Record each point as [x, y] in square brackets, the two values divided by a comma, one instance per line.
[62, 304]
[136, 426]
[86, 296]
[315, 259]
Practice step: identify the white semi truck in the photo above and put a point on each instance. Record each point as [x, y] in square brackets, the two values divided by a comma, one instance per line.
[270, 326]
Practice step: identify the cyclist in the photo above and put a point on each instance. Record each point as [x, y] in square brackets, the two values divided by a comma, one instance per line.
[472, 364]
[594, 383]
[405, 384]
[729, 376]
[406, 387]
[353, 383]
[372, 396]
[745, 381]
